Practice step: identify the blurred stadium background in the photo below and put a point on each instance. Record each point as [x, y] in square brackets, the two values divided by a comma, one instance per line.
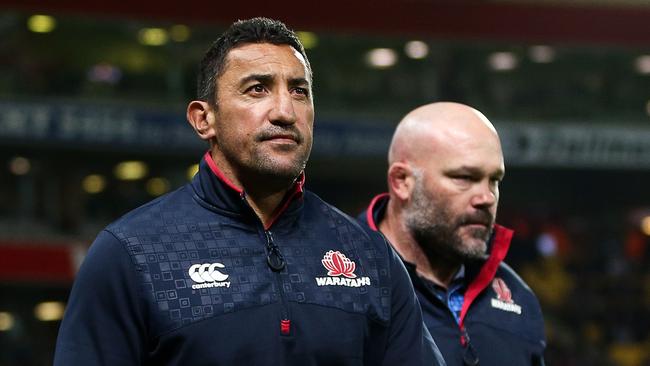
[92, 101]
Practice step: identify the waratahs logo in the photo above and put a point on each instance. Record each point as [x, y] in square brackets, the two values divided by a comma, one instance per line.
[503, 292]
[337, 265]
[504, 299]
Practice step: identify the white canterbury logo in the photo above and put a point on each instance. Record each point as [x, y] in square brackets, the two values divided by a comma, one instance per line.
[208, 276]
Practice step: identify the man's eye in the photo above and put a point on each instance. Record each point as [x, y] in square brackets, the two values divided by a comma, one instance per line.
[465, 178]
[301, 91]
[257, 88]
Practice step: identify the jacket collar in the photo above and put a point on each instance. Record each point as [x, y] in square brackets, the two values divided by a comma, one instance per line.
[479, 275]
[376, 210]
[498, 245]
[215, 191]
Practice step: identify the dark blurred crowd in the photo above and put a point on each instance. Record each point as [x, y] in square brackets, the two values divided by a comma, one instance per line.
[592, 277]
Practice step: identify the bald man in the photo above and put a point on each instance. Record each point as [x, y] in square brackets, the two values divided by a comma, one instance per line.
[445, 166]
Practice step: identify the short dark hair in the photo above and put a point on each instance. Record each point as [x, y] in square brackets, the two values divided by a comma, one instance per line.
[255, 30]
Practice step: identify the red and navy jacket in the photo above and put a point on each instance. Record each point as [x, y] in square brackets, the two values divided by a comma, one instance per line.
[195, 278]
[501, 320]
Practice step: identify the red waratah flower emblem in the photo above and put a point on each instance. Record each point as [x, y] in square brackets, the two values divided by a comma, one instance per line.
[338, 264]
[502, 290]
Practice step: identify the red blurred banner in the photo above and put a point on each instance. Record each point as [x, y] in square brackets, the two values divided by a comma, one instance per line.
[37, 262]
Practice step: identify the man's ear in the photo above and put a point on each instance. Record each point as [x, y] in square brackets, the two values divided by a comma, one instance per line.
[401, 180]
[201, 116]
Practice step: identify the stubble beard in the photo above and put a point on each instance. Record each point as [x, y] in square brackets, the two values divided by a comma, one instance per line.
[438, 232]
[261, 164]
[265, 165]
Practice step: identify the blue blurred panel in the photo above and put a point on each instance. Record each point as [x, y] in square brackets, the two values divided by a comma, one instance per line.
[95, 127]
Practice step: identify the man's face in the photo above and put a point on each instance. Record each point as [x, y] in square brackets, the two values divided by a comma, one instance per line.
[265, 113]
[454, 201]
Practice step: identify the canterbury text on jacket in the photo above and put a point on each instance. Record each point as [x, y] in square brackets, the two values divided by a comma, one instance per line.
[188, 280]
[501, 321]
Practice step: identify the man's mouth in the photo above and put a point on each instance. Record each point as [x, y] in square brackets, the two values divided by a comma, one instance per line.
[280, 137]
[477, 224]
[284, 138]
[482, 220]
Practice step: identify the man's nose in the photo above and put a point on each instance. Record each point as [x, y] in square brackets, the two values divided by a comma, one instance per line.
[283, 111]
[485, 195]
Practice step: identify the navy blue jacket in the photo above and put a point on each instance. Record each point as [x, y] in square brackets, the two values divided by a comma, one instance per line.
[194, 278]
[501, 320]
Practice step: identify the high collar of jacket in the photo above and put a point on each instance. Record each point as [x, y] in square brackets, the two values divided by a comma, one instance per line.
[217, 192]
[497, 246]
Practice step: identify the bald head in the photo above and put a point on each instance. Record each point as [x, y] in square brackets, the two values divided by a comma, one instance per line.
[445, 167]
[431, 126]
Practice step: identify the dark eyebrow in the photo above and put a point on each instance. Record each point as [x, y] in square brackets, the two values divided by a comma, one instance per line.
[262, 78]
[299, 82]
[476, 171]
[466, 169]
[268, 78]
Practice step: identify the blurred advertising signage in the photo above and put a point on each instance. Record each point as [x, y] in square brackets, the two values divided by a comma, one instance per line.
[119, 128]
[345, 139]
[525, 144]
[576, 145]
[94, 127]
[101, 127]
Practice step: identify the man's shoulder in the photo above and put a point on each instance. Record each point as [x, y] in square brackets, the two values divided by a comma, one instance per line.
[508, 273]
[338, 217]
[517, 285]
[156, 212]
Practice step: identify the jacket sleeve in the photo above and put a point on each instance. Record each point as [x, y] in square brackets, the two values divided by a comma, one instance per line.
[409, 342]
[103, 322]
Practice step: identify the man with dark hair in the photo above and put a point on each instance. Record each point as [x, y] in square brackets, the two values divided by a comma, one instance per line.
[242, 266]
[257, 30]
[445, 166]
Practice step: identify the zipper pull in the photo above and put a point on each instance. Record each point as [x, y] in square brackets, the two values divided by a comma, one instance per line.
[285, 326]
[274, 258]
[470, 358]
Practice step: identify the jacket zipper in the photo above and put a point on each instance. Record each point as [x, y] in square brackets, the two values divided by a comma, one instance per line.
[470, 357]
[277, 263]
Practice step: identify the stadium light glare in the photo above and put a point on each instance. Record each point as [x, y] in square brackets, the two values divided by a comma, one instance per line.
[192, 170]
[19, 165]
[309, 40]
[153, 36]
[40, 23]
[157, 186]
[546, 244]
[502, 61]
[381, 58]
[645, 225]
[416, 49]
[94, 183]
[179, 33]
[6, 321]
[131, 170]
[643, 64]
[541, 54]
[104, 72]
[49, 311]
